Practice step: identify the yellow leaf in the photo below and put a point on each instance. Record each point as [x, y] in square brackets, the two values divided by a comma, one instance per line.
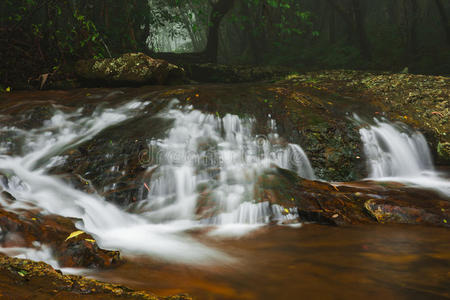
[8, 89]
[90, 240]
[74, 234]
[445, 221]
[286, 210]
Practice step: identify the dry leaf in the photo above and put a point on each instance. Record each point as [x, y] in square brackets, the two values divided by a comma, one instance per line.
[74, 234]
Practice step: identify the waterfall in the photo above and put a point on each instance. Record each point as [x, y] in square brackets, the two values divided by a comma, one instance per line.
[396, 152]
[205, 172]
[219, 160]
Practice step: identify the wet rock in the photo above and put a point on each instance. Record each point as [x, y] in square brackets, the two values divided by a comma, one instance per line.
[391, 212]
[355, 203]
[130, 68]
[420, 101]
[80, 251]
[23, 279]
[6, 196]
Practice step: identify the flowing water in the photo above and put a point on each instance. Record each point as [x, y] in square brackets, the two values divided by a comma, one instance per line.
[204, 171]
[395, 152]
[314, 262]
[203, 154]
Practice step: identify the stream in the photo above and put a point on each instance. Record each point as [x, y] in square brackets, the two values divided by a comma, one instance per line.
[195, 222]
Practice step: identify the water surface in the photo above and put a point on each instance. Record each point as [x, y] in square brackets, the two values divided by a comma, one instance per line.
[312, 262]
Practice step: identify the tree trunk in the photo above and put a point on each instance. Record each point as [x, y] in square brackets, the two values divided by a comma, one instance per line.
[219, 9]
[250, 34]
[413, 42]
[360, 29]
[444, 19]
[332, 27]
[346, 17]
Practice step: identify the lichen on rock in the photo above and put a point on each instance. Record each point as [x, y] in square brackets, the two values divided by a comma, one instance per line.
[130, 68]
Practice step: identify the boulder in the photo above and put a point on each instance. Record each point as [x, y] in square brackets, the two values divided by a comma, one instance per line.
[70, 250]
[130, 68]
[364, 202]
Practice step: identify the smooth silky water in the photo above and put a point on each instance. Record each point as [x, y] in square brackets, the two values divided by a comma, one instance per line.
[156, 225]
[221, 249]
[395, 152]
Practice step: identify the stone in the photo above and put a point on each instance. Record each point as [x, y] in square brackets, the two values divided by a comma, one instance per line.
[354, 203]
[52, 230]
[129, 68]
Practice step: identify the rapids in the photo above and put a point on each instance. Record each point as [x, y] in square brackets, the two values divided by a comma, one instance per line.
[202, 153]
[204, 168]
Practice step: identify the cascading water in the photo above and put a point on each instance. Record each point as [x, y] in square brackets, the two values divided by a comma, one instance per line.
[203, 159]
[397, 153]
[217, 160]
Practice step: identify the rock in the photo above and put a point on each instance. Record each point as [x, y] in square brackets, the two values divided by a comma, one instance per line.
[130, 68]
[390, 212]
[443, 150]
[81, 251]
[26, 279]
[355, 203]
[420, 101]
[7, 197]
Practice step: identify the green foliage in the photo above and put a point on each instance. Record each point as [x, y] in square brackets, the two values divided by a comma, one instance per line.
[69, 32]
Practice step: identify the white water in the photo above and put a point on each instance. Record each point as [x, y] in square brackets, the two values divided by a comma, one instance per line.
[227, 171]
[222, 157]
[396, 153]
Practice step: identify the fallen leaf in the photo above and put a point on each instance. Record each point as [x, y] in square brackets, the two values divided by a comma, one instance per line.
[43, 78]
[74, 234]
[146, 186]
[286, 210]
[90, 240]
[335, 216]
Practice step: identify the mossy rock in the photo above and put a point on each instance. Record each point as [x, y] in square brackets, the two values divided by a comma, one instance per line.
[130, 69]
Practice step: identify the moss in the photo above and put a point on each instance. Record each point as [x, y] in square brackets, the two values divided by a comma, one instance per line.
[26, 277]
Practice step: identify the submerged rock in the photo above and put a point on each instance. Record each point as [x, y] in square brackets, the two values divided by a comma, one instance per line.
[130, 68]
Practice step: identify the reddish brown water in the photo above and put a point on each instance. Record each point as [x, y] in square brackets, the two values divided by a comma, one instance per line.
[312, 262]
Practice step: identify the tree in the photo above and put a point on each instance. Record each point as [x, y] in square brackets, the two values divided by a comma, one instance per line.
[219, 9]
[354, 20]
[444, 19]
